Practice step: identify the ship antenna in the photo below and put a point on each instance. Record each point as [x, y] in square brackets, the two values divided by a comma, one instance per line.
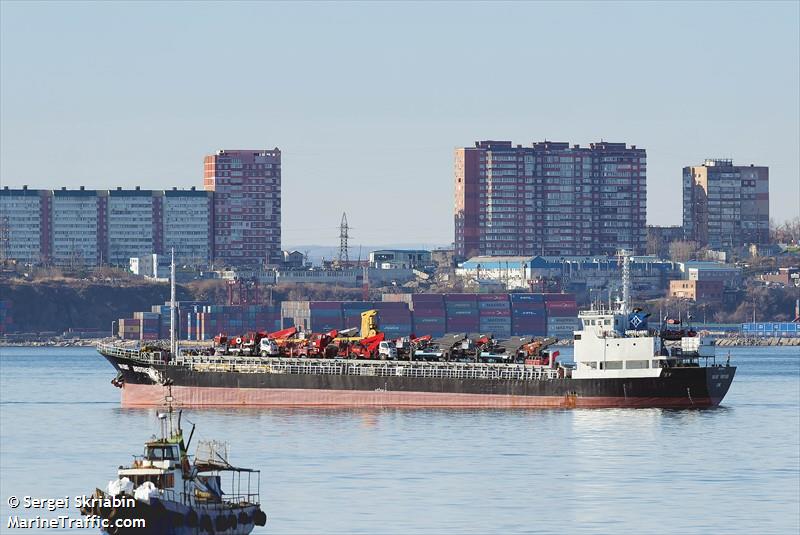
[172, 345]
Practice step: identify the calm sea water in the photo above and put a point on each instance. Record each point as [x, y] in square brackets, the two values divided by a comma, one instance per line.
[734, 469]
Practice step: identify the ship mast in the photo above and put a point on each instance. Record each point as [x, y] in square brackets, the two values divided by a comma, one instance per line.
[172, 345]
[626, 281]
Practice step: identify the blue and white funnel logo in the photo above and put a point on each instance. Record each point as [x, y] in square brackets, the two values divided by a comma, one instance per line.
[637, 321]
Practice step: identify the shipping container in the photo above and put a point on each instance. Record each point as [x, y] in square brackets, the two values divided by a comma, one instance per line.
[526, 298]
[551, 298]
[427, 298]
[453, 298]
[494, 313]
[494, 305]
[397, 298]
[492, 297]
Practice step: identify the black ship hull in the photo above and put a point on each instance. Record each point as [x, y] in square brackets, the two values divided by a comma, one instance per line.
[143, 385]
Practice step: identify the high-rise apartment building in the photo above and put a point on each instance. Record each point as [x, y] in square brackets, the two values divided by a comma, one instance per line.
[188, 225]
[247, 205]
[236, 219]
[86, 228]
[78, 228]
[726, 205]
[131, 230]
[550, 199]
[22, 224]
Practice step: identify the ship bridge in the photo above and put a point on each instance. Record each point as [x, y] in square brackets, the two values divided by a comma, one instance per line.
[605, 349]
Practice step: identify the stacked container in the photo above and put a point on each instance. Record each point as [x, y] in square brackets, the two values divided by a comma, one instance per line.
[528, 315]
[296, 314]
[562, 315]
[398, 298]
[429, 314]
[129, 328]
[325, 316]
[150, 325]
[462, 313]
[502, 315]
[210, 320]
[494, 315]
[184, 328]
[394, 319]
[351, 313]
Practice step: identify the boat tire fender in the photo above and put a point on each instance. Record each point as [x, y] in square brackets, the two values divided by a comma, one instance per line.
[191, 518]
[259, 518]
[205, 524]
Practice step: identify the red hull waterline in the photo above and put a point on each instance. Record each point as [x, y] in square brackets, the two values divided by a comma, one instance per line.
[135, 395]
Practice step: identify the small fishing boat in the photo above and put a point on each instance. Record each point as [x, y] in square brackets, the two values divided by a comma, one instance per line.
[166, 491]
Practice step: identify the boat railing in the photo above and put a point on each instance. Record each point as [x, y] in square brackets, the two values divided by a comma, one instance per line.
[116, 350]
[228, 500]
[433, 370]
[133, 353]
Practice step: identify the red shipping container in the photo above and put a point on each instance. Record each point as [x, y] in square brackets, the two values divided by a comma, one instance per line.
[427, 297]
[488, 313]
[458, 298]
[552, 298]
[492, 297]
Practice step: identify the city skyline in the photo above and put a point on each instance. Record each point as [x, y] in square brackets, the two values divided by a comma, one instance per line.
[366, 127]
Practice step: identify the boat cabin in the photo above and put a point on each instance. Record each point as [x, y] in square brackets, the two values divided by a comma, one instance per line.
[605, 349]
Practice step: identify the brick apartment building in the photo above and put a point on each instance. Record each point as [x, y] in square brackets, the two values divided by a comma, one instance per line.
[726, 205]
[549, 199]
[247, 205]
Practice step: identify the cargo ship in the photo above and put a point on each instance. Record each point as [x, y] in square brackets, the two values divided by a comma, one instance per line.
[618, 362]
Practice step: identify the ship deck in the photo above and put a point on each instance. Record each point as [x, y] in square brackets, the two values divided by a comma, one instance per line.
[339, 367]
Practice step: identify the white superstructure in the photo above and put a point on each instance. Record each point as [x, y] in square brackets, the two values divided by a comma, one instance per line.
[605, 349]
[611, 344]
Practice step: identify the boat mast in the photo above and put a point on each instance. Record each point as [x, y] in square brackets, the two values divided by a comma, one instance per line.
[626, 281]
[172, 344]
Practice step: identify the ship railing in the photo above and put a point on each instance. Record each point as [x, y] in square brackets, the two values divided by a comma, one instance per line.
[119, 351]
[133, 353]
[226, 501]
[174, 496]
[443, 370]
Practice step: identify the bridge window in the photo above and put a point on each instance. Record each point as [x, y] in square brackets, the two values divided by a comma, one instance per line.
[635, 364]
[612, 365]
[160, 454]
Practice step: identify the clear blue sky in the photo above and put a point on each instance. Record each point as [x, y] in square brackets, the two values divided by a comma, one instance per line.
[368, 101]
